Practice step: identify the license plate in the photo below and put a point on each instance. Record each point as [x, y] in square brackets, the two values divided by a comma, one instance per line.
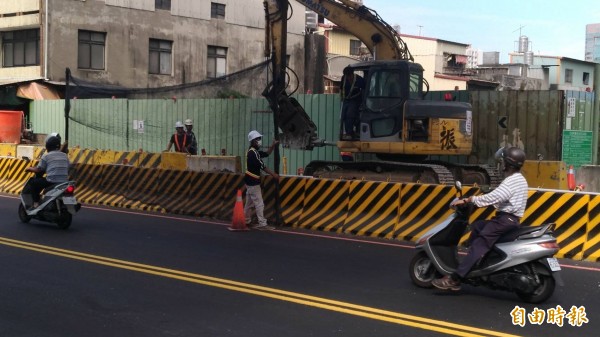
[69, 200]
[553, 263]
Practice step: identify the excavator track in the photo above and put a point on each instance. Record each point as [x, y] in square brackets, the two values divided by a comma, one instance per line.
[381, 171]
[472, 174]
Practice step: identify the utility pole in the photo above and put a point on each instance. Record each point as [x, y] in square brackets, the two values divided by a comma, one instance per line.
[419, 29]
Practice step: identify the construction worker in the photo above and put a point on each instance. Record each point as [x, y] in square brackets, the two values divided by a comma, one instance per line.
[193, 148]
[254, 165]
[180, 139]
[351, 93]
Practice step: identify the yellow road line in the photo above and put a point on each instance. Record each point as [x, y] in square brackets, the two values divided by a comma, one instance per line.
[288, 296]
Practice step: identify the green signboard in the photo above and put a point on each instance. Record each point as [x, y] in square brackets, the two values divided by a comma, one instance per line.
[577, 147]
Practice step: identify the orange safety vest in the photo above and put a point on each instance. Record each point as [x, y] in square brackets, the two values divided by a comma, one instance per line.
[178, 148]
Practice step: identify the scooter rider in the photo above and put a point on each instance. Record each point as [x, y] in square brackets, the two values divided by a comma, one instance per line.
[54, 163]
[509, 199]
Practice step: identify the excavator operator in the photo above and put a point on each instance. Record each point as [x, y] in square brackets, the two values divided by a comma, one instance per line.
[351, 92]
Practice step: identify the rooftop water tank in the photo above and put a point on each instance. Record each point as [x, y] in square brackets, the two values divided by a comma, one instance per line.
[523, 44]
[529, 58]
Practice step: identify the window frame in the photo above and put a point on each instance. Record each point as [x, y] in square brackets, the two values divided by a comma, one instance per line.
[569, 76]
[213, 56]
[162, 4]
[586, 78]
[23, 44]
[355, 47]
[217, 11]
[161, 52]
[90, 42]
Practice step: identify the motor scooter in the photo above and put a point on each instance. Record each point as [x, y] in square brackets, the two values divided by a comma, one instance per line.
[57, 205]
[521, 261]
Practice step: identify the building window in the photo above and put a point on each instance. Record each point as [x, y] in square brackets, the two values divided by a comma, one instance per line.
[160, 57]
[586, 78]
[91, 50]
[217, 11]
[568, 75]
[355, 47]
[162, 4]
[21, 48]
[217, 62]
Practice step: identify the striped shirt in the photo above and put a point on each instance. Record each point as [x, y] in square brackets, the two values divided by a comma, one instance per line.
[56, 166]
[509, 197]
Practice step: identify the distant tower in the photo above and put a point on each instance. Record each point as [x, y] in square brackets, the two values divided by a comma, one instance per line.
[592, 42]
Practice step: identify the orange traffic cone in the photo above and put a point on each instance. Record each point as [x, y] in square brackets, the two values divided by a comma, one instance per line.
[238, 223]
[571, 178]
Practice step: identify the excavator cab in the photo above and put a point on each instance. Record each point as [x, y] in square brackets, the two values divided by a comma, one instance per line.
[396, 120]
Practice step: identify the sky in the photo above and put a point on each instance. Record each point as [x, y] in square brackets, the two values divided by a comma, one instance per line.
[553, 27]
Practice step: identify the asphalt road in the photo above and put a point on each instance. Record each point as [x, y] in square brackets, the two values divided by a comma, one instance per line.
[123, 273]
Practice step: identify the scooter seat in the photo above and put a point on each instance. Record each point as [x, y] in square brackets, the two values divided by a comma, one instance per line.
[48, 188]
[515, 233]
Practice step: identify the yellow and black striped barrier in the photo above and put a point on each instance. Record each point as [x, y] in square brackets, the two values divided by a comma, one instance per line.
[12, 174]
[407, 211]
[375, 209]
[591, 246]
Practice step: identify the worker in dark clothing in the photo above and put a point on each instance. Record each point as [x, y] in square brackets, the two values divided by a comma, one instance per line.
[351, 93]
[193, 147]
[179, 139]
[254, 165]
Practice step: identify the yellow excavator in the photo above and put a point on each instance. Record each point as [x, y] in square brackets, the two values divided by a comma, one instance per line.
[397, 125]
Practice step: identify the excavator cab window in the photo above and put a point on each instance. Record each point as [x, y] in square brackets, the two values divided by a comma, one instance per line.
[415, 86]
[418, 130]
[386, 89]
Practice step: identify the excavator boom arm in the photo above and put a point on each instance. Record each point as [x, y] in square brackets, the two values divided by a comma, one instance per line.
[381, 39]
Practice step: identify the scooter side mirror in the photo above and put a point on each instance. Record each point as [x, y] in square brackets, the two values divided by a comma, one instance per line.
[458, 186]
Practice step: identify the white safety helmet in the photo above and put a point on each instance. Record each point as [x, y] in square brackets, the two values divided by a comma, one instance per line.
[188, 122]
[178, 124]
[253, 135]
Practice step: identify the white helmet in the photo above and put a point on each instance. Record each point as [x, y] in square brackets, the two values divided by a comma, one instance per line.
[253, 135]
[178, 124]
[188, 122]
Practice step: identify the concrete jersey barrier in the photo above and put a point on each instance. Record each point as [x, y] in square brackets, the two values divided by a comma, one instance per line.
[366, 208]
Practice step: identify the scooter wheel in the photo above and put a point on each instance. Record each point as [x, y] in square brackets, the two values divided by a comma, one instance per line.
[542, 292]
[422, 271]
[23, 214]
[64, 221]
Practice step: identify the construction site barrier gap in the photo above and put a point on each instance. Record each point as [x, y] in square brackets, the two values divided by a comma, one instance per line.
[396, 211]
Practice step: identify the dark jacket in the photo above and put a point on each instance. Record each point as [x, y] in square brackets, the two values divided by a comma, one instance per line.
[254, 165]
